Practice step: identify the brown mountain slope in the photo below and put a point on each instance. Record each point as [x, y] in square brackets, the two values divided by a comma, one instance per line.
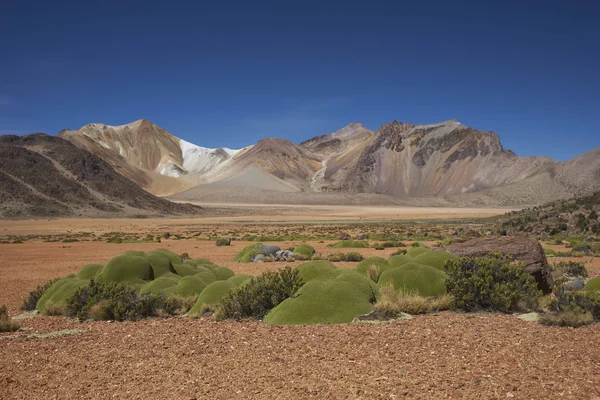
[280, 158]
[404, 160]
[577, 177]
[43, 175]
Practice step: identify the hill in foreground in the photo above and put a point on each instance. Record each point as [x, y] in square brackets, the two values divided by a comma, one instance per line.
[43, 175]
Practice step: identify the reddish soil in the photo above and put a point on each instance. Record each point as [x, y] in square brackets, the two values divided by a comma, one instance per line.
[443, 356]
[437, 356]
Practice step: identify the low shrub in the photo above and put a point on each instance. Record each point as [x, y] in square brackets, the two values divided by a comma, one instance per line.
[400, 252]
[345, 257]
[32, 298]
[119, 302]
[391, 303]
[6, 324]
[318, 257]
[263, 293]
[490, 283]
[576, 301]
[572, 319]
[572, 268]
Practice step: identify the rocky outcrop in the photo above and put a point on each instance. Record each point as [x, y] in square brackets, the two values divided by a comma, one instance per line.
[521, 248]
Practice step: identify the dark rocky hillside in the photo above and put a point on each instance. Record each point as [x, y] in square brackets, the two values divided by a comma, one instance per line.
[43, 175]
[578, 216]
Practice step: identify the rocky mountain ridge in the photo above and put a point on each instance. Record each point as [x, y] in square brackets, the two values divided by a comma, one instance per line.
[447, 160]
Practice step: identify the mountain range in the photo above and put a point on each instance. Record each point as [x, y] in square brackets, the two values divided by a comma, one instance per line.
[100, 170]
[443, 163]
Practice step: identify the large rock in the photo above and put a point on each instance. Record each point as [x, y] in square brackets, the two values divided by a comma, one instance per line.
[344, 236]
[269, 250]
[362, 236]
[224, 241]
[522, 248]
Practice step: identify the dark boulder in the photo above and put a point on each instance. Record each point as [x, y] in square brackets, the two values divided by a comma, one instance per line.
[344, 236]
[269, 250]
[521, 248]
[224, 241]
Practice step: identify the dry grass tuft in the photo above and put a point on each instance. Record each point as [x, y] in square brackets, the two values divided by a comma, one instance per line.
[179, 305]
[374, 273]
[55, 309]
[96, 312]
[6, 324]
[567, 318]
[391, 303]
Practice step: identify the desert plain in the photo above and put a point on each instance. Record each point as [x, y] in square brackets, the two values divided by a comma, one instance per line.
[445, 355]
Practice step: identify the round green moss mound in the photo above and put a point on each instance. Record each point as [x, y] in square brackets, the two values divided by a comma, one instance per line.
[126, 269]
[399, 260]
[350, 244]
[59, 292]
[137, 253]
[417, 251]
[191, 285]
[314, 269]
[247, 252]
[188, 268]
[305, 250]
[593, 285]
[222, 273]
[205, 262]
[175, 259]
[436, 259]
[213, 293]
[89, 271]
[337, 298]
[160, 284]
[160, 263]
[424, 280]
[378, 264]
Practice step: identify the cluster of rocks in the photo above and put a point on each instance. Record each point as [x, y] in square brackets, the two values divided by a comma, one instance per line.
[274, 253]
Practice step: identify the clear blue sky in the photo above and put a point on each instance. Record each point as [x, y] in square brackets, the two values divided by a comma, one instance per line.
[229, 73]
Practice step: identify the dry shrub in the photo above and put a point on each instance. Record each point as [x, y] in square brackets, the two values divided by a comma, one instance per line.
[179, 305]
[6, 324]
[391, 303]
[374, 273]
[96, 312]
[573, 319]
[55, 309]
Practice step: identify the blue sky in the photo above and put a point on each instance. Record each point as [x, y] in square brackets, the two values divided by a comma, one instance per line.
[229, 73]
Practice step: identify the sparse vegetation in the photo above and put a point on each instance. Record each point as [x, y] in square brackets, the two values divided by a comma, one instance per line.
[572, 268]
[263, 293]
[491, 283]
[113, 301]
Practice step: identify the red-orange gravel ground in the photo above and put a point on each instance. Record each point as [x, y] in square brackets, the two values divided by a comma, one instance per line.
[438, 356]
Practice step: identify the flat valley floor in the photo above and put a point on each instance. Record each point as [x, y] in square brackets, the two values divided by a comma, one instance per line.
[436, 356]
